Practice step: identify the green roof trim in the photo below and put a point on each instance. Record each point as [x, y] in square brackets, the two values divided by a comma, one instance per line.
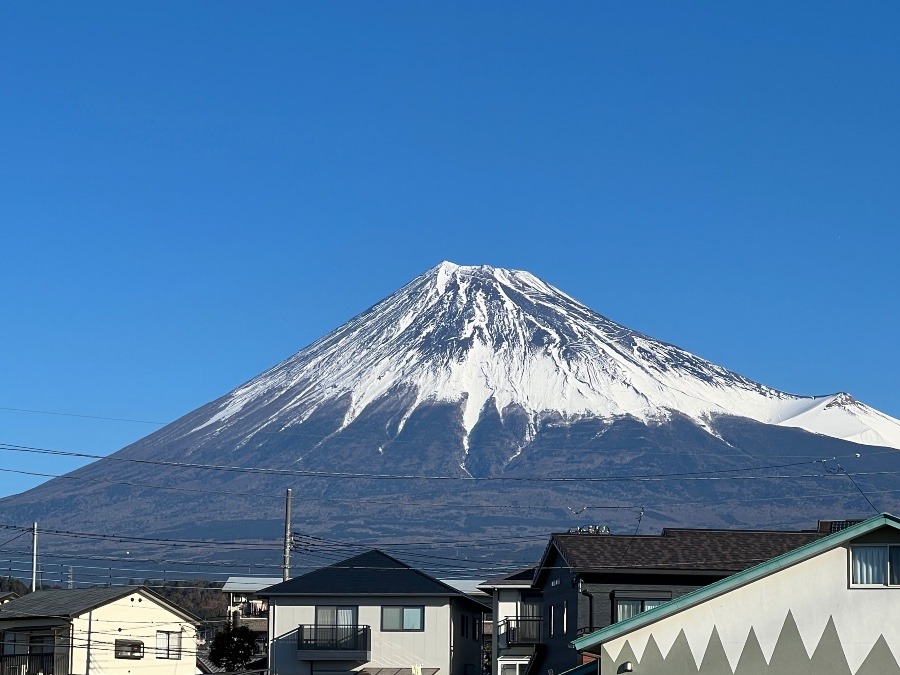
[586, 642]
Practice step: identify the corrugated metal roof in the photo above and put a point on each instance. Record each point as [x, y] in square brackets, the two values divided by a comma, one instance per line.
[249, 584]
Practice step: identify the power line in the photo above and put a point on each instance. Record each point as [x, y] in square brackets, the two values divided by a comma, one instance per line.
[88, 417]
[693, 475]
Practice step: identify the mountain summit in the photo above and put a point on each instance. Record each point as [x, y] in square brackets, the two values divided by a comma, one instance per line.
[498, 341]
[476, 401]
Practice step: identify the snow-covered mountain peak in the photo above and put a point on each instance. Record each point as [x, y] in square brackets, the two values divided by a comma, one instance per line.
[478, 336]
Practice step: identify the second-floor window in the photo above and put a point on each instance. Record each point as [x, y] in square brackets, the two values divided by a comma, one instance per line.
[629, 607]
[336, 615]
[129, 649]
[168, 645]
[402, 618]
[875, 565]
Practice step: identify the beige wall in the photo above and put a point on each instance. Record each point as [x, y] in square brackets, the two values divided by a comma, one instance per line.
[134, 617]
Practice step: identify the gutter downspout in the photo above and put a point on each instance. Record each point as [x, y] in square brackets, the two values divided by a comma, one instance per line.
[270, 628]
[590, 597]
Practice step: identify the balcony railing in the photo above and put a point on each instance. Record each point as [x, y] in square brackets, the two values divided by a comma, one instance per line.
[521, 631]
[334, 638]
[34, 664]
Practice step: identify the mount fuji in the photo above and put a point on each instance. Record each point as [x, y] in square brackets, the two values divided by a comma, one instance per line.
[480, 400]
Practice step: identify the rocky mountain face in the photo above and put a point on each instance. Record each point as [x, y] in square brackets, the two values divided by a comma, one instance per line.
[483, 405]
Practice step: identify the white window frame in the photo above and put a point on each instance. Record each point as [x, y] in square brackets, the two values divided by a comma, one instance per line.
[888, 570]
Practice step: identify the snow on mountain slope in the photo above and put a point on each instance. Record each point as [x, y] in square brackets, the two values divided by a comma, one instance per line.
[478, 334]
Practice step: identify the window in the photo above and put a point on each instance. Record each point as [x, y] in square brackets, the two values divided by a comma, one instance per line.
[402, 618]
[875, 565]
[336, 615]
[627, 604]
[513, 668]
[168, 645]
[464, 625]
[565, 618]
[40, 644]
[476, 627]
[550, 625]
[34, 644]
[129, 649]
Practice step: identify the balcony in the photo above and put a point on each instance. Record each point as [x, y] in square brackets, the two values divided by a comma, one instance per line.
[33, 664]
[338, 643]
[518, 632]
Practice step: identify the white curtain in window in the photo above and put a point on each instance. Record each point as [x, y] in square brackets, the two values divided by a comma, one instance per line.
[895, 565]
[625, 609]
[326, 616]
[651, 604]
[869, 564]
[346, 616]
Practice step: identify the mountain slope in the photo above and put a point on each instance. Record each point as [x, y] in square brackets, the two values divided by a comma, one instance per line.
[473, 335]
[508, 407]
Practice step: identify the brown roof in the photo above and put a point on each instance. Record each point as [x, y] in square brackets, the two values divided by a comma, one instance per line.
[677, 549]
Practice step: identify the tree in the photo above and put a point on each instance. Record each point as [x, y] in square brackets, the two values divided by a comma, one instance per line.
[14, 585]
[233, 648]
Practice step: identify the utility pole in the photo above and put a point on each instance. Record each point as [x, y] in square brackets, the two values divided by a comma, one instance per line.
[286, 566]
[34, 557]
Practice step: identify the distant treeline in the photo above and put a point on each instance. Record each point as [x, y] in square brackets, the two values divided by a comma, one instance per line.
[202, 598]
[9, 584]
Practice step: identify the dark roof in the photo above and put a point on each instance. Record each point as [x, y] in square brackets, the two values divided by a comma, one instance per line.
[68, 603]
[519, 578]
[741, 579]
[371, 573]
[676, 549]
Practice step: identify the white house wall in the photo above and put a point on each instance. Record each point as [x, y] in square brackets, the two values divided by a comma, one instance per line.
[809, 594]
[134, 617]
[392, 649]
[506, 606]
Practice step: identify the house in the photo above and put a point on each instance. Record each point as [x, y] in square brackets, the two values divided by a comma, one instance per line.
[588, 580]
[95, 630]
[831, 607]
[372, 614]
[517, 608]
[245, 608]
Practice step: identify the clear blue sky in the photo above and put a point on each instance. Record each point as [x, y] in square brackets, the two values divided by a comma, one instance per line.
[191, 192]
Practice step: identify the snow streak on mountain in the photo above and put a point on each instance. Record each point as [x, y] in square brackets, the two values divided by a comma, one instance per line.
[503, 341]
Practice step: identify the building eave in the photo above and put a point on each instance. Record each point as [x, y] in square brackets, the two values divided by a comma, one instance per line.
[594, 640]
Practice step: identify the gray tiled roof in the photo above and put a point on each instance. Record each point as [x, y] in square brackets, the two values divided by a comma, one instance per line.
[62, 602]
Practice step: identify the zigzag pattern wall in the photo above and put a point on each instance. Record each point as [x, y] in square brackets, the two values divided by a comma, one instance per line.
[788, 658]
